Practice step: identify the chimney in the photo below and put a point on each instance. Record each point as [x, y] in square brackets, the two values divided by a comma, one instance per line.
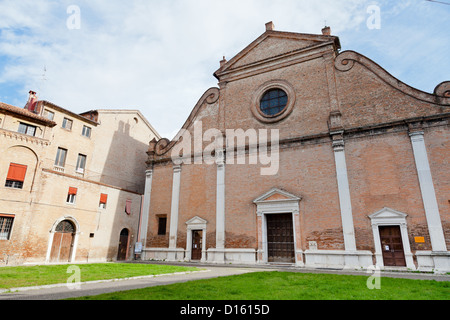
[326, 31]
[32, 102]
[270, 26]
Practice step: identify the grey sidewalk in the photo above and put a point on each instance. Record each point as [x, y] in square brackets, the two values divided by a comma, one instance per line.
[62, 291]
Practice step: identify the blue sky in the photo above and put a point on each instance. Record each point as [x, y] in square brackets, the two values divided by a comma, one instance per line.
[159, 56]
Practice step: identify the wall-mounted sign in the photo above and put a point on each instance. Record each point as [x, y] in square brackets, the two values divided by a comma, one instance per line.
[138, 247]
[419, 239]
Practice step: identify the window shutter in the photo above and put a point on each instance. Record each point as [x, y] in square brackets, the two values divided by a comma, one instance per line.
[103, 198]
[16, 172]
[73, 190]
[128, 207]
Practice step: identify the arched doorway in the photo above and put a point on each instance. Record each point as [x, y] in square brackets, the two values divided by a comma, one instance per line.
[63, 240]
[123, 245]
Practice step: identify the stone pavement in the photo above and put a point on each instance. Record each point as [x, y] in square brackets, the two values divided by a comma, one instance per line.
[62, 291]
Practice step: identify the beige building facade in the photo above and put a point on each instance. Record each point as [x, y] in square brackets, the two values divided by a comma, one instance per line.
[70, 187]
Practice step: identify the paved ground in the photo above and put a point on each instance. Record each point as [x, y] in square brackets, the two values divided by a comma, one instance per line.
[62, 291]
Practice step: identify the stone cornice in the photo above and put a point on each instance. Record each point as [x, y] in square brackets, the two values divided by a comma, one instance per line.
[23, 138]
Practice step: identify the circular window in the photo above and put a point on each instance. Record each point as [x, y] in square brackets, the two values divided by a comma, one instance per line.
[273, 102]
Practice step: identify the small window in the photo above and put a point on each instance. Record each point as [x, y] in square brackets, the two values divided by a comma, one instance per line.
[81, 163]
[103, 201]
[162, 223]
[6, 223]
[273, 102]
[16, 176]
[86, 132]
[67, 124]
[14, 184]
[27, 129]
[128, 207]
[60, 160]
[49, 114]
[72, 195]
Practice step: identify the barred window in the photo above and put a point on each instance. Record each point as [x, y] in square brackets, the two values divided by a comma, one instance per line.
[273, 102]
[16, 176]
[65, 227]
[6, 222]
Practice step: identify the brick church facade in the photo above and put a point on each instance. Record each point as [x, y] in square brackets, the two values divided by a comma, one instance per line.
[308, 156]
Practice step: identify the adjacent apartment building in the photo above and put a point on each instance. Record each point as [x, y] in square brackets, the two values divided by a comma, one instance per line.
[70, 184]
[308, 156]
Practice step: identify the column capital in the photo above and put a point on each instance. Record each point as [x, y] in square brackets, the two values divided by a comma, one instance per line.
[220, 158]
[338, 145]
[176, 167]
[416, 134]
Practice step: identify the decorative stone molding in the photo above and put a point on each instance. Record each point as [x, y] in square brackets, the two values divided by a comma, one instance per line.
[195, 223]
[390, 217]
[443, 90]
[277, 201]
[165, 145]
[273, 84]
[346, 60]
[23, 138]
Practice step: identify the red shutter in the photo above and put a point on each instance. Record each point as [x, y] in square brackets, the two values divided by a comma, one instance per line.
[128, 207]
[73, 190]
[103, 198]
[16, 172]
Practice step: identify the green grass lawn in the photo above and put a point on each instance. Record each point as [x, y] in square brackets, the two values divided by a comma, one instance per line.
[15, 277]
[288, 286]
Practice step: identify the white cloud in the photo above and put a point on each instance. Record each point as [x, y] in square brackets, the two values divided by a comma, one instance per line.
[155, 56]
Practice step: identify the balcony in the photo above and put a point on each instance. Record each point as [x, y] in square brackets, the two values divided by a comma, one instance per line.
[58, 169]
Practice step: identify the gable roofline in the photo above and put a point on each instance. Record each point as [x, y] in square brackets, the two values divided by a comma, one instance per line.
[320, 39]
[26, 114]
[130, 111]
[68, 112]
[346, 60]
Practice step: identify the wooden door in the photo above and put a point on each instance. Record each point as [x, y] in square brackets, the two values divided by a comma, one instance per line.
[392, 246]
[196, 245]
[280, 238]
[61, 247]
[123, 245]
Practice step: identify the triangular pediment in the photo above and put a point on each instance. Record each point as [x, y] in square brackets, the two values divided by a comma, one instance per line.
[196, 221]
[387, 213]
[276, 195]
[275, 45]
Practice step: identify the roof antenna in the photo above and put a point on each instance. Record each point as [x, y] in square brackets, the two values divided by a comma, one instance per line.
[42, 82]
